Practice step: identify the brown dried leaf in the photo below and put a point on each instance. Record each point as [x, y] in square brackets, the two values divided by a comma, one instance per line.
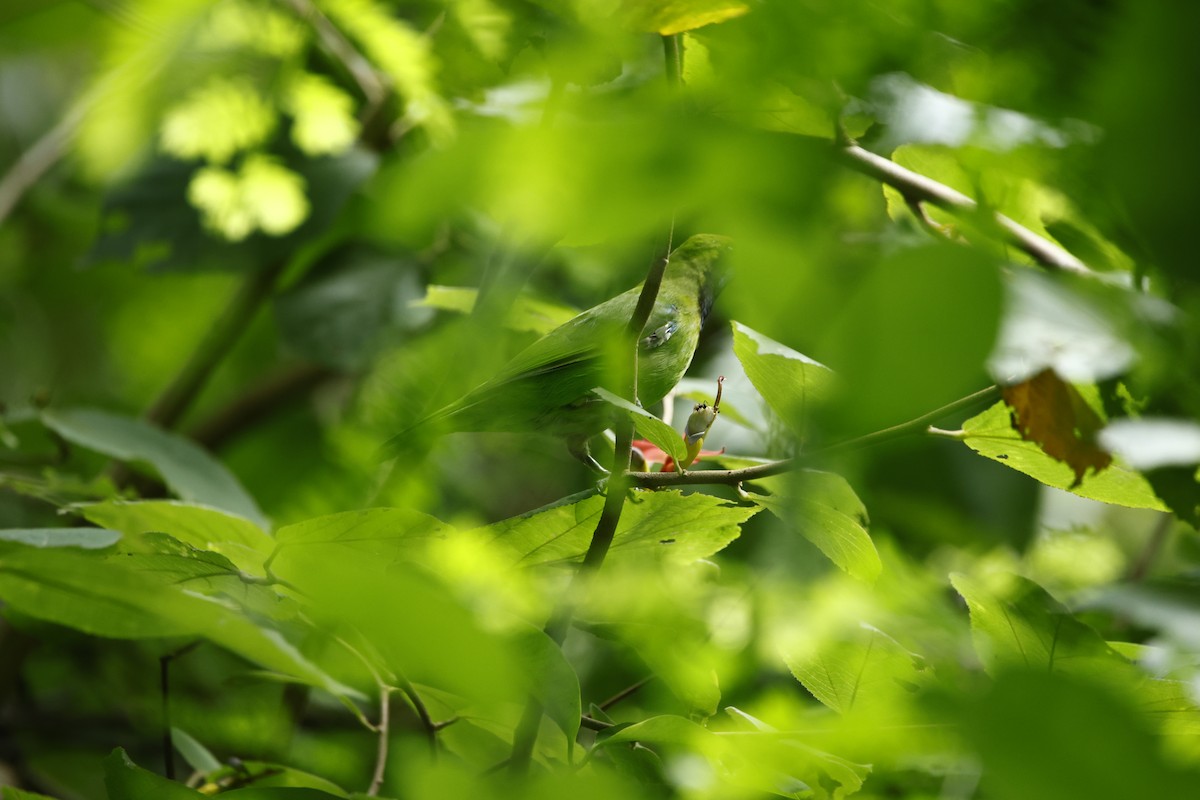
[1051, 413]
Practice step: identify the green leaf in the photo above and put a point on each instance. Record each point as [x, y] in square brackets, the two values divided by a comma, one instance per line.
[650, 427]
[195, 754]
[552, 681]
[667, 523]
[9, 793]
[1046, 735]
[665, 729]
[526, 314]
[199, 526]
[127, 781]
[383, 534]
[991, 434]
[860, 670]
[790, 382]
[1016, 623]
[85, 538]
[824, 509]
[99, 596]
[186, 468]
[668, 17]
[280, 793]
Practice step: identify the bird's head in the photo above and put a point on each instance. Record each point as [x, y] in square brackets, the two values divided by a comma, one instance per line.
[707, 254]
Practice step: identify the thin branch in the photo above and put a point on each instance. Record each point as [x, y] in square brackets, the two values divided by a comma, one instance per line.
[1154, 546]
[591, 723]
[244, 305]
[427, 724]
[733, 477]
[381, 751]
[257, 403]
[917, 188]
[37, 160]
[624, 693]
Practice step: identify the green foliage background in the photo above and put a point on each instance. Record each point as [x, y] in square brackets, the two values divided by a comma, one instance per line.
[244, 242]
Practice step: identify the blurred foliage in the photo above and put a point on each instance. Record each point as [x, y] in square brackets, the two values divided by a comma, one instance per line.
[245, 242]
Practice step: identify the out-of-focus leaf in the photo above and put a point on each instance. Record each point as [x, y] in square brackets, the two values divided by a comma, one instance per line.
[200, 526]
[1016, 623]
[98, 596]
[1049, 325]
[900, 347]
[825, 510]
[340, 312]
[282, 793]
[127, 781]
[190, 471]
[385, 535]
[1151, 443]
[677, 526]
[526, 314]
[10, 793]
[147, 220]
[412, 619]
[1046, 735]
[1052, 414]
[275, 778]
[650, 427]
[85, 538]
[991, 434]
[552, 681]
[667, 17]
[195, 754]
[790, 382]
[862, 670]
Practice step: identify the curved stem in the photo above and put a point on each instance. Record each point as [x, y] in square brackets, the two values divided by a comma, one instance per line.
[918, 188]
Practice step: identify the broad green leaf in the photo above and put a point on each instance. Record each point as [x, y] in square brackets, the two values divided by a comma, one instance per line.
[677, 526]
[413, 620]
[1048, 735]
[281, 793]
[665, 729]
[552, 681]
[127, 781]
[99, 596]
[1016, 623]
[790, 382]
[649, 427]
[186, 468]
[84, 538]
[824, 509]
[526, 314]
[281, 777]
[9, 793]
[385, 535]
[862, 670]
[200, 526]
[667, 17]
[991, 434]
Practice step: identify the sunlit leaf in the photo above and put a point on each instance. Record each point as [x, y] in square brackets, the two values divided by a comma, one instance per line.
[201, 526]
[667, 17]
[85, 538]
[526, 314]
[552, 681]
[863, 669]
[667, 523]
[323, 121]
[790, 382]
[824, 509]
[648, 426]
[1015, 622]
[991, 434]
[217, 120]
[191, 472]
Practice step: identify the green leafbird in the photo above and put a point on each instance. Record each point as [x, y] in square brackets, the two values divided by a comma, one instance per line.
[547, 387]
